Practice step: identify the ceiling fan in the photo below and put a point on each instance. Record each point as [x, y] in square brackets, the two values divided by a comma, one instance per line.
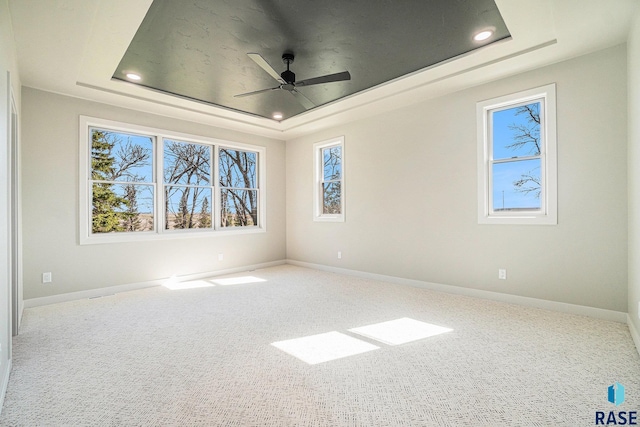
[287, 79]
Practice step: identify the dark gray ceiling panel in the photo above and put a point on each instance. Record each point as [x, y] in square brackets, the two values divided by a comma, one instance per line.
[197, 49]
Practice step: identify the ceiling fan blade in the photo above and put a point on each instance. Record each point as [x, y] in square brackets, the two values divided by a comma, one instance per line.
[256, 92]
[306, 102]
[337, 77]
[258, 59]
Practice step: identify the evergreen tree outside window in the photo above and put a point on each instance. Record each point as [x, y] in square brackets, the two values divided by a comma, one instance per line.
[121, 182]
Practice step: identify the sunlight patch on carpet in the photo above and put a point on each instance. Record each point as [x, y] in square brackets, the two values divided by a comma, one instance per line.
[237, 280]
[400, 331]
[324, 347]
[174, 285]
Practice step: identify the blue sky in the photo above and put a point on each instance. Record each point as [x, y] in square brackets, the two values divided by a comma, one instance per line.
[332, 161]
[505, 174]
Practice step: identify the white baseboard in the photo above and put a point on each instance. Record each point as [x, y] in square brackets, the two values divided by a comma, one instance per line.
[101, 292]
[4, 384]
[599, 313]
[616, 316]
[634, 333]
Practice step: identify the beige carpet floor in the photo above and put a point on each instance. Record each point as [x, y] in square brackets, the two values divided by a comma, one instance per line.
[212, 355]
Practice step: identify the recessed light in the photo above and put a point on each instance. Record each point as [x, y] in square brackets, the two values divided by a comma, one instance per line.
[134, 76]
[277, 116]
[483, 35]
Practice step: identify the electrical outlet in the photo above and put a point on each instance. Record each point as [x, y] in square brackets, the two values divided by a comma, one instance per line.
[502, 274]
[339, 255]
[220, 257]
[46, 277]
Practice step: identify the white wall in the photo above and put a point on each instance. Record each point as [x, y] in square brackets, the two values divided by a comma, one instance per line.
[633, 56]
[412, 204]
[50, 207]
[8, 71]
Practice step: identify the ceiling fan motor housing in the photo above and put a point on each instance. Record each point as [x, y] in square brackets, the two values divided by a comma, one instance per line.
[288, 76]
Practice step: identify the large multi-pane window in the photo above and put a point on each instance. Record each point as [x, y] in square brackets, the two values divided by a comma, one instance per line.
[329, 185]
[138, 183]
[517, 158]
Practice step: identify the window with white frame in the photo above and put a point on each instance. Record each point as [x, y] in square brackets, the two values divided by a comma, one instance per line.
[329, 180]
[517, 166]
[139, 183]
[187, 185]
[238, 187]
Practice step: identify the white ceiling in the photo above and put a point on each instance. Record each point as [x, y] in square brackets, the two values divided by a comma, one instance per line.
[72, 47]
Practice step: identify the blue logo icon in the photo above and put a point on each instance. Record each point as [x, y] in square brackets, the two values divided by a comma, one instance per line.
[616, 394]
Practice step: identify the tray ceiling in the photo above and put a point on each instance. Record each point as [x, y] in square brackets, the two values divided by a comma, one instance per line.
[198, 49]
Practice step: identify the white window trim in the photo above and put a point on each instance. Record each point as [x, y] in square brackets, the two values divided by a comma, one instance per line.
[317, 179]
[84, 170]
[548, 215]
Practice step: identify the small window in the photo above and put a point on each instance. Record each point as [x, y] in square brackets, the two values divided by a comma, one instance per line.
[329, 180]
[517, 158]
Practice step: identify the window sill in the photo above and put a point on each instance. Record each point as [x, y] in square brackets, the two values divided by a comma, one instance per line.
[518, 220]
[173, 235]
[329, 218]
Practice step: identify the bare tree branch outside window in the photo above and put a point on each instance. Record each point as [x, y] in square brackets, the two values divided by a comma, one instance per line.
[331, 182]
[516, 158]
[238, 188]
[187, 177]
[528, 136]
